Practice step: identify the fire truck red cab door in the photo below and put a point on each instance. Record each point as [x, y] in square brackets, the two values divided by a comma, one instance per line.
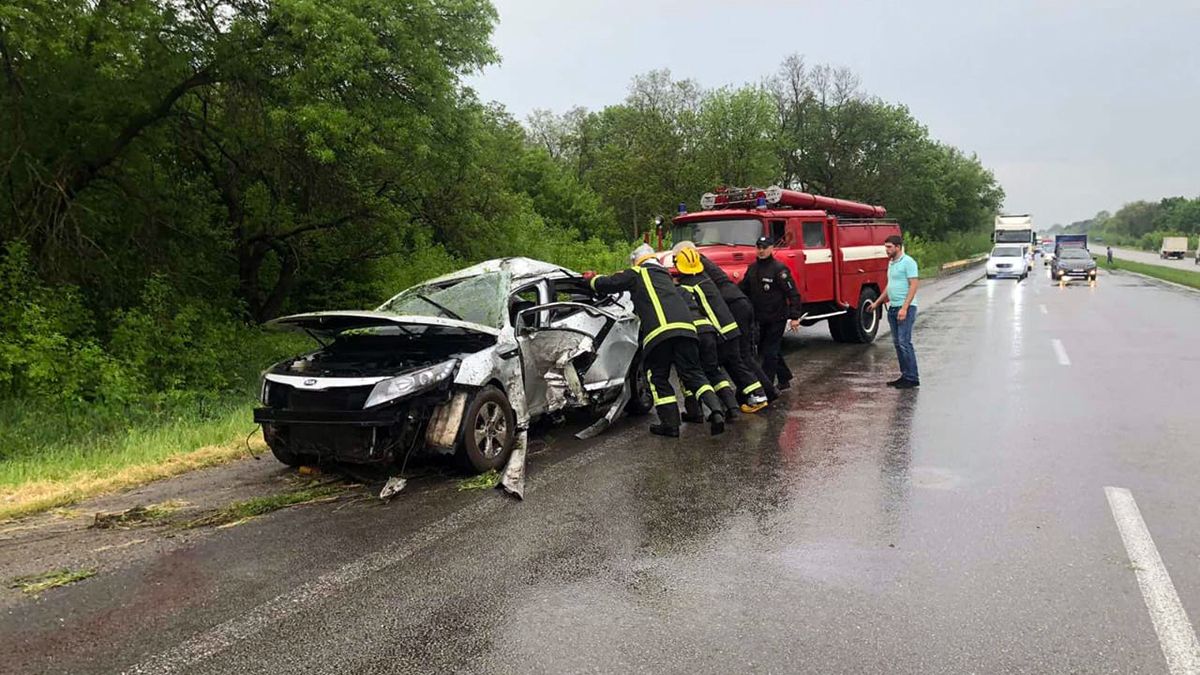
[818, 261]
[786, 234]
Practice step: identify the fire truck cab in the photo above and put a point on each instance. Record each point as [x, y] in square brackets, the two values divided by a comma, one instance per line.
[833, 247]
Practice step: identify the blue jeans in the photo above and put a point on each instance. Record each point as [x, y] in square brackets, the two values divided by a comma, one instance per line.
[902, 338]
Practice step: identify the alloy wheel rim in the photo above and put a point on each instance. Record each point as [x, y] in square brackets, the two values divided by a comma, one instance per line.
[491, 426]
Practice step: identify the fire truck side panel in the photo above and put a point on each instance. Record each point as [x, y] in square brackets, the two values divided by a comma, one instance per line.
[863, 258]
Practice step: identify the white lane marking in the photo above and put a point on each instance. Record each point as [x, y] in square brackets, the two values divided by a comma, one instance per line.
[1175, 633]
[1043, 310]
[184, 656]
[1061, 352]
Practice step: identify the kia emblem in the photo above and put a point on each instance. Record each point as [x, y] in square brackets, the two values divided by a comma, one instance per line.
[309, 382]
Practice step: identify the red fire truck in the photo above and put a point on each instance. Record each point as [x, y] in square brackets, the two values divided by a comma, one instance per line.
[833, 247]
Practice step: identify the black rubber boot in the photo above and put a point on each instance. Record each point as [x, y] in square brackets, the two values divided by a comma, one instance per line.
[668, 421]
[729, 397]
[691, 411]
[716, 423]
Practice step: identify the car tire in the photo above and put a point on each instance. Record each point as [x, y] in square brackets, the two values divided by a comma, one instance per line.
[489, 431]
[860, 325]
[640, 401]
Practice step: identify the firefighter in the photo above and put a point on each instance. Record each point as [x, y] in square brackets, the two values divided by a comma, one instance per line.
[772, 291]
[668, 338]
[719, 332]
[743, 312]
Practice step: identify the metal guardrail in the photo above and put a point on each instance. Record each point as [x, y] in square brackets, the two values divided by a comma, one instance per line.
[960, 265]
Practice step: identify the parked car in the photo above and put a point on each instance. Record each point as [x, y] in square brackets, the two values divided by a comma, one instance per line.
[454, 365]
[1074, 263]
[1008, 260]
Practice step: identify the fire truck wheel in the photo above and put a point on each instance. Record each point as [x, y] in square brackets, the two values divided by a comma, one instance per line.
[861, 324]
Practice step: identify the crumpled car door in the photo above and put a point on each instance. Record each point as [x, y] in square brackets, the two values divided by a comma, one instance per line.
[553, 355]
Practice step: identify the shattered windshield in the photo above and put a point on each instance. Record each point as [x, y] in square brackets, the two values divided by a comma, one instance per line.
[479, 299]
[743, 231]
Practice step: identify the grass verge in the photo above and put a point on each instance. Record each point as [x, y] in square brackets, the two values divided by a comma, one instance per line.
[1172, 274]
[36, 583]
[64, 471]
[239, 512]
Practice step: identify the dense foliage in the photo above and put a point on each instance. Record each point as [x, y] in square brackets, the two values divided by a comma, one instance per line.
[1142, 224]
[177, 171]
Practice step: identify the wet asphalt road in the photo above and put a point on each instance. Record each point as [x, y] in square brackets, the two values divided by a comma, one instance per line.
[1188, 263]
[961, 527]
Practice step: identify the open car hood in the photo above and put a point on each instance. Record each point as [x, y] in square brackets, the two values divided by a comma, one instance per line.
[332, 323]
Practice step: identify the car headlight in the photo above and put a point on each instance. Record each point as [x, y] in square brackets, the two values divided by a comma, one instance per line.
[410, 383]
[264, 389]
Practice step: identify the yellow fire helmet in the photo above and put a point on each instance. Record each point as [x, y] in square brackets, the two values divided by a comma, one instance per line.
[688, 261]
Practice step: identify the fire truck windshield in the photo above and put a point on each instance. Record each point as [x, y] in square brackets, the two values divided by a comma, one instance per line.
[730, 231]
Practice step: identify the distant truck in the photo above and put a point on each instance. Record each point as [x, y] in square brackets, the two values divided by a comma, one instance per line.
[1069, 241]
[1015, 229]
[1173, 247]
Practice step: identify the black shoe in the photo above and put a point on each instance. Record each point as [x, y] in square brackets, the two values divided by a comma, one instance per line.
[664, 430]
[716, 424]
[784, 386]
[895, 382]
[908, 384]
[695, 418]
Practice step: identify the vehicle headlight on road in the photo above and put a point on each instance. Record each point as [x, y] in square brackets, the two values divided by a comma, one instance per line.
[410, 383]
[264, 389]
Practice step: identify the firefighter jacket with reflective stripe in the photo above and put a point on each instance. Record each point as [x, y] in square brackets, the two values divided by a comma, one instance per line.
[729, 290]
[660, 306]
[713, 311]
[770, 286]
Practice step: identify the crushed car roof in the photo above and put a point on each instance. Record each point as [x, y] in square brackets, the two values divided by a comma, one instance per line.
[518, 267]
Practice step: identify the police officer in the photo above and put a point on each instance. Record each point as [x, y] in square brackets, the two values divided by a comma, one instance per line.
[743, 312]
[719, 333]
[668, 337]
[772, 291]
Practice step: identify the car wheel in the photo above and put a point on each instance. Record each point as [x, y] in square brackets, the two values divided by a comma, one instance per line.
[860, 324]
[640, 401]
[489, 428]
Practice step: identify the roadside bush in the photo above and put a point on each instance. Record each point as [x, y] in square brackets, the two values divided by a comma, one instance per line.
[931, 255]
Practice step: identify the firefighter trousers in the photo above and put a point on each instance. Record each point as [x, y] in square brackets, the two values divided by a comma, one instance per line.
[712, 350]
[684, 354]
[747, 343]
[770, 341]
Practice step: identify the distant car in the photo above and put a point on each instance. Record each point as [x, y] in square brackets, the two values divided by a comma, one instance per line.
[1047, 254]
[1008, 260]
[454, 365]
[1074, 263]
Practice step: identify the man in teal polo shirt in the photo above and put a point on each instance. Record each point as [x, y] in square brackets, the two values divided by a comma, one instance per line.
[900, 295]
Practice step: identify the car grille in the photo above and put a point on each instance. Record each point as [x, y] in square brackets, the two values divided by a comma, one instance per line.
[338, 398]
[1003, 266]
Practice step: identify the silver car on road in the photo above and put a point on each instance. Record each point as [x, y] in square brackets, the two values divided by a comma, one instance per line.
[456, 365]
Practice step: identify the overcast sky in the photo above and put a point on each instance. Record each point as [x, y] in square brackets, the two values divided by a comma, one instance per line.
[1076, 105]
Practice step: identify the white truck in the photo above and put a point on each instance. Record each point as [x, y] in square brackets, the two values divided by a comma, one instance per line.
[1015, 229]
[1173, 247]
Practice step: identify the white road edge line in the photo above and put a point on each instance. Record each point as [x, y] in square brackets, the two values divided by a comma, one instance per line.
[1061, 352]
[1175, 633]
[1043, 309]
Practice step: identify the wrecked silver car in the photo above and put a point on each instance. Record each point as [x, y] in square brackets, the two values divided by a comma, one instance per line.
[458, 365]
